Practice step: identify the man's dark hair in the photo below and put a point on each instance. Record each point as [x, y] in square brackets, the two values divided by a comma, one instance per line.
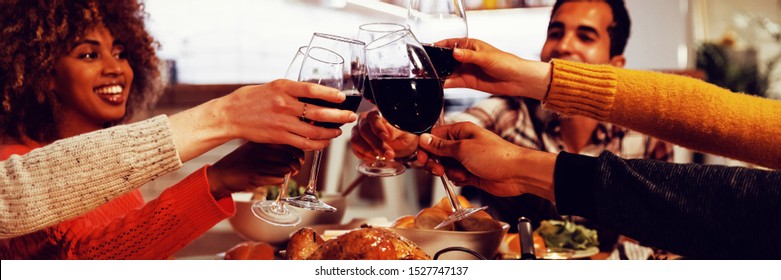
[618, 30]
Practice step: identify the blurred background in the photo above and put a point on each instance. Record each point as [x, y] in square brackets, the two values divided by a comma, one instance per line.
[212, 47]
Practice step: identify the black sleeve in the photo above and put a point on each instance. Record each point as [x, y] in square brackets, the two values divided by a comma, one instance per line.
[573, 179]
[699, 211]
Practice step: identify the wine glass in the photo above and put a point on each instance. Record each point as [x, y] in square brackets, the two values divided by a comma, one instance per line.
[409, 94]
[276, 212]
[381, 167]
[345, 76]
[434, 20]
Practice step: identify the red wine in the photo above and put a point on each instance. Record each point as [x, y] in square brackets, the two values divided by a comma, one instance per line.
[443, 60]
[350, 103]
[367, 90]
[410, 104]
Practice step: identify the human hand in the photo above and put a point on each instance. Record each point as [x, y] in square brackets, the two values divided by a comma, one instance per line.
[253, 165]
[486, 161]
[489, 69]
[374, 136]
[271, 113]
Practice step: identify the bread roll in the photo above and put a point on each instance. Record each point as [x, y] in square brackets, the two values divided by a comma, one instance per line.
[428, 218]
[444, 204]
[404, 222]
[480, 221]
[250, 251]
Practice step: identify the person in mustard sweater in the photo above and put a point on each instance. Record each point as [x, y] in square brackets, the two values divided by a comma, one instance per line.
[94, 66]
[682, 110]
[683, 208]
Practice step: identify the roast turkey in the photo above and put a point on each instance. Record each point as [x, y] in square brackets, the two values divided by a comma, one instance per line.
[367, 243]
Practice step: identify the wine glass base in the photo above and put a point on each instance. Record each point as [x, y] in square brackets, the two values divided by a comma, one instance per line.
[386, 169]
[269, 212]
[308, 201]
[458, 215]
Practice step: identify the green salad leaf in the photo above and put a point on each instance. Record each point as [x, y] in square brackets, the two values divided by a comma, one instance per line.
[293, 189]
[565, 234]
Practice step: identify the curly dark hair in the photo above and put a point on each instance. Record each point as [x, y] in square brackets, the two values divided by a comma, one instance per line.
[35, 33]
[618, 31]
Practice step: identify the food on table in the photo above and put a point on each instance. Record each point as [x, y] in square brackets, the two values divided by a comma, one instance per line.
[539, 245]
[303, 243]
[271, 192]
[480, 221]
[367, 243]
[428, 218]
[511, 246]
[407, 221]
[250, 251]
[444, 204]
[566, 234]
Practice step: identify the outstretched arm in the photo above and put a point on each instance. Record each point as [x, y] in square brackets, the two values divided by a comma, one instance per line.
[681, 110]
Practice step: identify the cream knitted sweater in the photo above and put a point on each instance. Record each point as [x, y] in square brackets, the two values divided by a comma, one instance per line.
[681, 110]
[72, 176]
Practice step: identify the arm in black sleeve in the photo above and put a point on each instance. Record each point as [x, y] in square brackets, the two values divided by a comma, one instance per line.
[573, 179]
[699, 211]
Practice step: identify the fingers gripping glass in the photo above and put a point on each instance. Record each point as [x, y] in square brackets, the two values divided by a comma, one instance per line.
[409, 94]
[435, 20]
[380, 167]
[336, 62]
[276, 212]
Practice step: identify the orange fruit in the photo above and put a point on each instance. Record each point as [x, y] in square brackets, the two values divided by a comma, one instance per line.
[510, 248]
[250, 250]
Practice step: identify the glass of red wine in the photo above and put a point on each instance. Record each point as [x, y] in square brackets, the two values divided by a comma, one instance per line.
[276, 212]
[380, 167]
[408, 93]
[435, 20]
[432, 21]
[347, 76]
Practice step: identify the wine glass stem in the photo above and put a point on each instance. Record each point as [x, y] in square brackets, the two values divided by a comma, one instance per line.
[311, 187]
[451, 193]
[282, 193]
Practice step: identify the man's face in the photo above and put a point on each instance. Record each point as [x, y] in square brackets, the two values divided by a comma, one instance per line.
[579, 32]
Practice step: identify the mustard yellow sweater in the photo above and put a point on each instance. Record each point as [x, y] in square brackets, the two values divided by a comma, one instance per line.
[682, 110]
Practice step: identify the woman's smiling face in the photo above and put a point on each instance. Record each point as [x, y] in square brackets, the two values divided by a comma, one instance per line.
[92, 82]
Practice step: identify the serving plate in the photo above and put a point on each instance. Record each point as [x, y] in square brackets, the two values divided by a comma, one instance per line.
[585, 253]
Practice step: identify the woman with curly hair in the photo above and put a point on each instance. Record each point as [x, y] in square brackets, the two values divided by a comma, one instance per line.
[75, 67]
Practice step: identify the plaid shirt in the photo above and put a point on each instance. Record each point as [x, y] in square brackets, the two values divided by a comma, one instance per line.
[523, 122]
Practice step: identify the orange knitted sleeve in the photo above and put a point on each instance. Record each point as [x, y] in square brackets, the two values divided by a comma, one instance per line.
[682, 110]
[159, 229]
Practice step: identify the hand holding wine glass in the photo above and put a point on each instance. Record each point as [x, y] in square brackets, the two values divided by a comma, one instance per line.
[409, 94]
[336, 62]
[276, 212]
[380, 166]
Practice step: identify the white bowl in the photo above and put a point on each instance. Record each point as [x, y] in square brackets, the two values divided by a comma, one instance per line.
[485, 243]
[251, 228]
